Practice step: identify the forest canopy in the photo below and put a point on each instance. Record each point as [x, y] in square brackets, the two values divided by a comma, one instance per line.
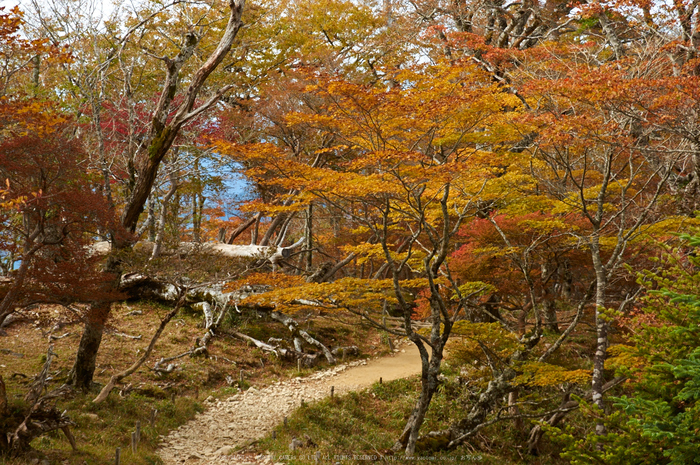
[511, 183]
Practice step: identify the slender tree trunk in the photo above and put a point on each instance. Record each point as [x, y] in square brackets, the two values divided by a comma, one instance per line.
[161, 221]
[430, 368]
[175, 217]
[256, 230]
[197, 207]
[36, 73]
[243, 227]
[151, 219]
[550, 315]
[601, 325]
[195, 226]
[274, 225]
[81, 374]
[309, 238]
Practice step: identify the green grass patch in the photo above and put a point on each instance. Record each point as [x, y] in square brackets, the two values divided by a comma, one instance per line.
[362, 427]
[101, 428]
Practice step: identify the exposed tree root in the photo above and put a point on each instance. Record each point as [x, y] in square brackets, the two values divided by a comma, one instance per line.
[297, 333]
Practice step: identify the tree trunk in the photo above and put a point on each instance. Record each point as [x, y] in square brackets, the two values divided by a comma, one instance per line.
[601, 326]
[550, 315]
[160, 234]
[163, 132]
[165, 129]
[309, 238]
[83, 370]
[197, 207]
[3, 399]
[151, 220]
[243, 227]
[274, 225]
[256, 230]
[430, 368]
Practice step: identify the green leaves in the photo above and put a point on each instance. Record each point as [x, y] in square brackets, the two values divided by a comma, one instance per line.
[658, 421]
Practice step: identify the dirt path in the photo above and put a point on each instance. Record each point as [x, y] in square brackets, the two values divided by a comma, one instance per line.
[214, 434]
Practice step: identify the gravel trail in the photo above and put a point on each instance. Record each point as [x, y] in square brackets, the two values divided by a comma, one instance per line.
[213, 436]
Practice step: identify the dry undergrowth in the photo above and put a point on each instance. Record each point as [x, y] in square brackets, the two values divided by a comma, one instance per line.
[176, 396]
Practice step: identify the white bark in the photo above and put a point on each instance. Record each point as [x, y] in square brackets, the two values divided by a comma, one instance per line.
[273, 254]
[293, 327]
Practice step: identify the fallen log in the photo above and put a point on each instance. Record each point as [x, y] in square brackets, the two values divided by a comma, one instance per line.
[273, 254]
[207, 298]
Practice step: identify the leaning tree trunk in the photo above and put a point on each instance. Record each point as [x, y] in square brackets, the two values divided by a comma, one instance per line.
[309, 237]
[162, 133]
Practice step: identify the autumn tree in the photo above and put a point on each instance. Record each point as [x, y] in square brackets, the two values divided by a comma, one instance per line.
[52, 211]
[49, 207]
[406, 170]
[654, 419]
[174, 108]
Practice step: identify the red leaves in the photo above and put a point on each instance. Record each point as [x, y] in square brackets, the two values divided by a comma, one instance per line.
[56, 210]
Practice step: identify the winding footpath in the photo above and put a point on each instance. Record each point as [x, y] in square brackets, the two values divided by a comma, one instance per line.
[214, 436]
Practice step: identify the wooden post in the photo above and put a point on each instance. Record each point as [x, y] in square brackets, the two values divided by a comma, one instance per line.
[380, 380]
[154, 414]
[117, 456]
[332, 391]
[285, 422]
[172, 397]
[138, 432]
[133, 442]
[298, 364]
[274, 435]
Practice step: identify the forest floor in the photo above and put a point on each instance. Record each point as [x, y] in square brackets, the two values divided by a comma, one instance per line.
[229, 407]
[159, 402]
[221, 434]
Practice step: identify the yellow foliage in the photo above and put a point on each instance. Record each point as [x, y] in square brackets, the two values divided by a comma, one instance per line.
[671, 225]
[470, 339]
[545, 374]
[293, 293]
[475, 288]
[623, 357]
